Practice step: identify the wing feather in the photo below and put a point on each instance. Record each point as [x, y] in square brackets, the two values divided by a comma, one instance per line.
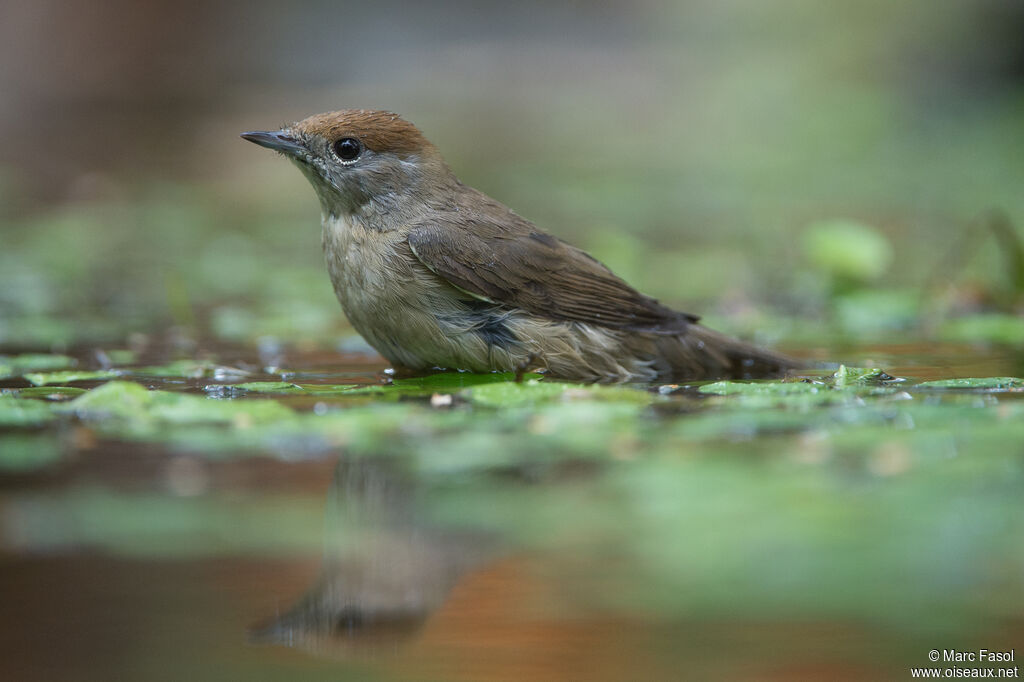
[509, 262]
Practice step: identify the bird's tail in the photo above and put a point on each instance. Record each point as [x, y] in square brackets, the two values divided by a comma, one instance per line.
[702, 353]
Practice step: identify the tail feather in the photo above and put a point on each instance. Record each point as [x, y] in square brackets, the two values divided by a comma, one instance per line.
[702, 353]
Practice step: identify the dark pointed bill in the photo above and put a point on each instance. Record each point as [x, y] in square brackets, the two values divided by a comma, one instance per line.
[278, 141]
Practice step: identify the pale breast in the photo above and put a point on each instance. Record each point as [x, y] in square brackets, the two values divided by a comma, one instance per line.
[417, 320]
[392, 300]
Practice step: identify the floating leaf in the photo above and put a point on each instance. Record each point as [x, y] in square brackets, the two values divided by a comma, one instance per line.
[793, 394]
[533, 391]
[987, 383]
[284, 388]
[51, 392]
[861, 376]
[441, 382]
[190, 369]
[509, 393]
[762, 388]
[333, 389]
[16, 412]
[65, 377]
[134, 404]
[268, 387]
[453, 381]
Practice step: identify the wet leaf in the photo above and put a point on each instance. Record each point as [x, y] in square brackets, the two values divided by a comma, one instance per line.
[774, 388]
[190, 369]
[987, 383]
[51, 392]
[333, 389]
[861, 376]
[533, 392]
[138, 408]
[802, 395]
[44, 378]
[453, 381]
[17, 412]
[441, 382]
[269, 387]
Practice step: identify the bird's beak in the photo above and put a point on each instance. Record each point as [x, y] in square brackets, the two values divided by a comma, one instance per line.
[280, 141]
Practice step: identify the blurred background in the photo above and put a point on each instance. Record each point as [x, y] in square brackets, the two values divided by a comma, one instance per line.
[801, 172]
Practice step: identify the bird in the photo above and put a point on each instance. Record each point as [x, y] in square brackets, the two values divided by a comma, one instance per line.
[436, 275]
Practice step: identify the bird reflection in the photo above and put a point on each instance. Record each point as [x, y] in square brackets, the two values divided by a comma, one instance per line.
[385, 569]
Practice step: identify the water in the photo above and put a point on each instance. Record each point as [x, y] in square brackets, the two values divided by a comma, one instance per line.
[539, 542]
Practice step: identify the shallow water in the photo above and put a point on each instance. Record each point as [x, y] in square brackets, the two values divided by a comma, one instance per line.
[635, 533]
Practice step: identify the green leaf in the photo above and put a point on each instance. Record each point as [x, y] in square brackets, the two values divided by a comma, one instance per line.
[16, 412]
[44, 378]
[141, 408]
[333, 389]
[860, 376]
[508, 394]
[774, 388]
[792, 394]
[269, 387]
[534, 392]
[454, 381]
[50, 392]
[189, 369]
[987, 383]
[229, 391]
[441, 382]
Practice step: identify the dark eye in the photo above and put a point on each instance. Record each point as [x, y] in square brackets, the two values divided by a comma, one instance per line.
[347, 148]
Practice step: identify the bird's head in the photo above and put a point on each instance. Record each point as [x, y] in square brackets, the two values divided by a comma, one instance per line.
[356, 158]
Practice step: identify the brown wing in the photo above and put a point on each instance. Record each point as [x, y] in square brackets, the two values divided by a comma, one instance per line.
[517, 266]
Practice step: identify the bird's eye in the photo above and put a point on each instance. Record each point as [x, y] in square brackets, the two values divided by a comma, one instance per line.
[347, 148]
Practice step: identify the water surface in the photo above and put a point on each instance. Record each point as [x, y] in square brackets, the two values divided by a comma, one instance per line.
[467, 530]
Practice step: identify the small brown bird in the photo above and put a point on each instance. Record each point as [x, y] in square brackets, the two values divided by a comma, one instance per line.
[435, 274]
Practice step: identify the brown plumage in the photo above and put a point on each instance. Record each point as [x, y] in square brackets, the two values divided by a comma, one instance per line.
[435, 274]
[379, 130]
[510, 262]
